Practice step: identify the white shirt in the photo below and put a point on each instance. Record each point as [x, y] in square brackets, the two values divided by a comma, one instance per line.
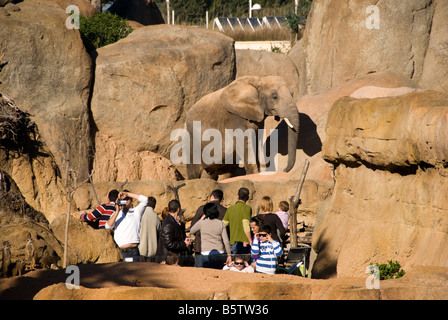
[127, 224]
[284, 217]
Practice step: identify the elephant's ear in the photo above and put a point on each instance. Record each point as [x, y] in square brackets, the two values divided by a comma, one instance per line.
[241, 98]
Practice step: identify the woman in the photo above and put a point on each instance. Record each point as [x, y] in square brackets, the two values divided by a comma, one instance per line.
[255, 223]
[271, 219]
[214, 240]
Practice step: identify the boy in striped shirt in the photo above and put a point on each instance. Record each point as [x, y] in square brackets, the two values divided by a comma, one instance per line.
[267, 250]
[98, 217]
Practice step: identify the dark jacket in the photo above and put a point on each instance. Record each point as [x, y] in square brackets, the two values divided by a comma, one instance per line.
[197, 242]
[171, 240]
[275, 223]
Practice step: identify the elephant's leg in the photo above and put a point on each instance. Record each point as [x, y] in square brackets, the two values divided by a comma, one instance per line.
[251, 168]
[250, 158]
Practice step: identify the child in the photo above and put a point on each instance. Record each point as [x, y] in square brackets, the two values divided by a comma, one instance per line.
[282, 213]
[240, 265]
[267, 250]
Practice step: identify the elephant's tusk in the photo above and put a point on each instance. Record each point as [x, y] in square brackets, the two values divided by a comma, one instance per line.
[288, 123]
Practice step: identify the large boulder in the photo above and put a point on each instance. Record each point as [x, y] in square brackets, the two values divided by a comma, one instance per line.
[388, 201]
[341, 42]
[115, 161]
[19, 222]
[399, 132]
[85, 244]
[87, 8]
[145, 83]
[47, 72]
[162, 282]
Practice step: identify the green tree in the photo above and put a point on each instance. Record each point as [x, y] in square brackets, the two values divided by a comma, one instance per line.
[102, 29]
[191, 11]
[391, 270]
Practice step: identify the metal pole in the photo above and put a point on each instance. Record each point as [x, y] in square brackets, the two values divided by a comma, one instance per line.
[206, 19]
[167, 11]
[250, 8]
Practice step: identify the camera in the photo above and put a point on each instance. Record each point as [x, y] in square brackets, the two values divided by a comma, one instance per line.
[121, 202]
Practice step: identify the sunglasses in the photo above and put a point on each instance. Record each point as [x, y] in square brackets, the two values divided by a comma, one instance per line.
[263, 234]
[239, 263]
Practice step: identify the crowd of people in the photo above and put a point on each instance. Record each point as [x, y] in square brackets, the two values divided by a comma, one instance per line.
[220, 238]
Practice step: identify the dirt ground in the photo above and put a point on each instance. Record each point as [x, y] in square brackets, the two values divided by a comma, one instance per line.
[150, 281]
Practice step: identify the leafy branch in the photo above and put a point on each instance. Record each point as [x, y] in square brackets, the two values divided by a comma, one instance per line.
[391, 270]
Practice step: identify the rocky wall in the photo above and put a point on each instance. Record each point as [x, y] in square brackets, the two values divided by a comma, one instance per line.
[347, 39]
[389, 200]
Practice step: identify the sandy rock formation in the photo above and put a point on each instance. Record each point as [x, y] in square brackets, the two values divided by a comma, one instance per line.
[86, 245]
[39, 182]
[117, 162]
[146, 82]
[18, 223]
[403, 132]
[27, 163]
[149, 281]
[47, 72]
[346, 39]
[388, 201]
[435, 67]
[87, 8]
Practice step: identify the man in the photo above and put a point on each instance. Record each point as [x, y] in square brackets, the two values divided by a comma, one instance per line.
[173, 245]
[126, 223]
[238, 217]
[216, 197]
[98, 217]
[149, 232]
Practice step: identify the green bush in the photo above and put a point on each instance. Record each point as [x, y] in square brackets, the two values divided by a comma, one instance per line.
[102, 29]
[391, 270]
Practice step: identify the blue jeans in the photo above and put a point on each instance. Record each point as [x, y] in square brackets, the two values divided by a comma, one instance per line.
[214, 260]
[238, 248]
[131, 253]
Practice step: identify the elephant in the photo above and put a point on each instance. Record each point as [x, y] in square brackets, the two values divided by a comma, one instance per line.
[243, 104]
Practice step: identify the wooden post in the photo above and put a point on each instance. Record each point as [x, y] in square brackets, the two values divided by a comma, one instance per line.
[176, 196]
[122, 185]
[93, 189]
[293, 205]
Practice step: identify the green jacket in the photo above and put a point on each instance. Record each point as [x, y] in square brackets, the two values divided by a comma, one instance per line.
[238, 217]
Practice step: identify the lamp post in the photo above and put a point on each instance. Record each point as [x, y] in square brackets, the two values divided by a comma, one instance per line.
[254, 7]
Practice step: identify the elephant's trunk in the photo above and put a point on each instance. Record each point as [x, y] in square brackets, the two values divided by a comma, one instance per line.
[293, 134]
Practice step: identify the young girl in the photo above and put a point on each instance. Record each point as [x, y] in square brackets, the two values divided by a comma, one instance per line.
[240, 265]
[282, 213]
[267, 250]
